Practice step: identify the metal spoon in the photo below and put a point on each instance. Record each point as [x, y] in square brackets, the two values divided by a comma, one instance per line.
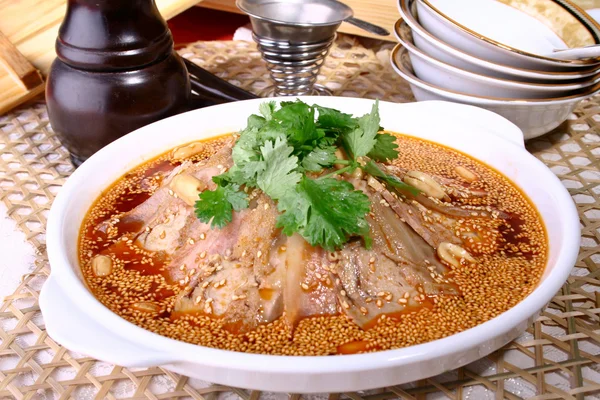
[578, 53]
[367, 26]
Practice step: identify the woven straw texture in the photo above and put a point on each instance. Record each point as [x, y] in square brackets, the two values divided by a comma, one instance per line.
[557, 358]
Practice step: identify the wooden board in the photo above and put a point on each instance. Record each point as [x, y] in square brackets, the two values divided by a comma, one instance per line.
[32, 26]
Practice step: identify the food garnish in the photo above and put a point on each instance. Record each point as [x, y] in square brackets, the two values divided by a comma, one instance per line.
[289, 152]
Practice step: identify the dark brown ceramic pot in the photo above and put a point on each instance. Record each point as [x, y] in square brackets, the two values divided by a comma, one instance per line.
[116, 71]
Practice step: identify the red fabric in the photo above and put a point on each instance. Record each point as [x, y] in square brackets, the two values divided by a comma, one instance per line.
[199, 23]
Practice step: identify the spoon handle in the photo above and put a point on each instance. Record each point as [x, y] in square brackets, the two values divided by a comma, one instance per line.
[367, 26]
[578, 53]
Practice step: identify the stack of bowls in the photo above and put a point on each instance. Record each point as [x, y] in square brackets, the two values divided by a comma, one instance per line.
[499, 55]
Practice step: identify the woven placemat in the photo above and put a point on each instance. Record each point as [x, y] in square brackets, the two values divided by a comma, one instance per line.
[557, 358]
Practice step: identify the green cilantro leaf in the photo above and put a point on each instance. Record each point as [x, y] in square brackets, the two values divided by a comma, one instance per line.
[326, 212]
[275, 150]
[361, 140]
[330, 118]
[278, 177]
[255, 122]
[372, 169]
[298, 119]
[246, 158]
[385, 148]
[267, 109]
[271, 131]
[295, 209]
[237, 199]
[216, 206]
[319, 158]
[245, 148]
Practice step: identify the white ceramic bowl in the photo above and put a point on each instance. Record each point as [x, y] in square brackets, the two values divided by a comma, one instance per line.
[482, 17]
[449, 77]
[74, 318]
[442, 51]
[534, 116]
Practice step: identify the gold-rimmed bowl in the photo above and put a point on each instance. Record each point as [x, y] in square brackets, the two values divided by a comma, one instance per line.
[534, 117]
[442, 51]
[449, 77]
[519, 33]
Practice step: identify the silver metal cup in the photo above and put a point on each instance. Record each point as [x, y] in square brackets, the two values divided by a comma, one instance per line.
[294, 37]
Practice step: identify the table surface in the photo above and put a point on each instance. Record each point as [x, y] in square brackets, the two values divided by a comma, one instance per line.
[17, 258]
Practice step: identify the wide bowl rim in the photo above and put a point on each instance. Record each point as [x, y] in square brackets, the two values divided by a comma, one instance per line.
[418, 30]
[475, 76]
[399, 67]
[81, 298]
[239, 4]
[493, 42]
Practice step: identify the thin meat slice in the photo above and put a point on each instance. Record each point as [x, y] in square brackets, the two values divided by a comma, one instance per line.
[432, 226]
[369, 284]
[397, 241]
[309, 286]
[455, 188]
[448, 209]
[233, 268]
[163, 220]
[397, 272]
[436, 228]
[422, 214]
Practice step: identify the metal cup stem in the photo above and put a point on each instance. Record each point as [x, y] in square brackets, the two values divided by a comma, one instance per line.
[294, 68]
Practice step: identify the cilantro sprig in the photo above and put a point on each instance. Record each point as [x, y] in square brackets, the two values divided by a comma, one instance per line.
[289, 153]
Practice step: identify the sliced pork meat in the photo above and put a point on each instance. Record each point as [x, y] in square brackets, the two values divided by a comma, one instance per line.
[456, 189]
[308, 285]
[249, 273]
[229, 272]
[438, 222]
[162, 220]
[399, 271]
